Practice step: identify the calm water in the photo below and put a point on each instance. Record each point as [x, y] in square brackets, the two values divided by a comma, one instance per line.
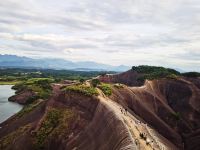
[7, 108]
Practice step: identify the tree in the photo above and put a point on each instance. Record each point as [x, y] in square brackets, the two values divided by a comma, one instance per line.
[95, 82]
[81, 80]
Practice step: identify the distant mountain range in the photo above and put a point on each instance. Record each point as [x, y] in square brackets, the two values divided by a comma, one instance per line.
[14, 61]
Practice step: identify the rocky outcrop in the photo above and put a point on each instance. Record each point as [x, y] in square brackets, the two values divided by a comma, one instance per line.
[129, 78]
[23, 97]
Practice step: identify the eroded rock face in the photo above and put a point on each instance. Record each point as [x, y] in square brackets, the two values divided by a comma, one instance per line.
[170, 106]
[105, 132]
[94, 126]
[129, 78]
[22, 97]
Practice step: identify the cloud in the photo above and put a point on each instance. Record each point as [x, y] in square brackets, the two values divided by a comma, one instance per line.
[130, 32]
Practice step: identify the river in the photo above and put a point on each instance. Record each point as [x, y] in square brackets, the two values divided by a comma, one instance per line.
[7, 109]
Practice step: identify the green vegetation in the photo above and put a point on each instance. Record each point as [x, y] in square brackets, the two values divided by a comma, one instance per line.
[40, 86]
[172, 76]
[95, 82]
[86, 90]
[50, 122]
[106, 88]
[28, 108]
[18, 74]
[8, 82]
[64, 121]
[152, 69]
[8, 139]
[152, 72]
[191, 74]
[55, 123]
[82, 80]
[176, 116]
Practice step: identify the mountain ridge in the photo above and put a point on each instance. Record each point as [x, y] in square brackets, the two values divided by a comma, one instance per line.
[14, 61]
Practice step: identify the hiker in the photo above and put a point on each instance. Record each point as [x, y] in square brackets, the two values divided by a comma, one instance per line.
[126, 111]
[121, 110]
[136, 141]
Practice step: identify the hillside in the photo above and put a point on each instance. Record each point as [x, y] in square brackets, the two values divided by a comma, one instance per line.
[144, 108]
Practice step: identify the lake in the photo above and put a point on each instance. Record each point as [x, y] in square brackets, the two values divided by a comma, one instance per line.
[7, 109]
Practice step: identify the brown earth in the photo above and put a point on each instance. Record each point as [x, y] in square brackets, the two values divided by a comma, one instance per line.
[94, 127]
[128, 78]
[22, 97]
[161, 114]
[171, 106]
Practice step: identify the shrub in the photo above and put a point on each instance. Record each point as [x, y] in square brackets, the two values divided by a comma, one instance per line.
[82, 80]
[176, 116]
[47, 126]
[172, 76]
[95, 82]
[106, 89]
[54, 124]
[86, 90]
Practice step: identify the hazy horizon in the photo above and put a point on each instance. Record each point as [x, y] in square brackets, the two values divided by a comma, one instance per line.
[114, 32]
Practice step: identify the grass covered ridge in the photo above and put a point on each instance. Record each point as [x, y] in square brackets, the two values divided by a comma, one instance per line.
[106, 88]
[84, 89]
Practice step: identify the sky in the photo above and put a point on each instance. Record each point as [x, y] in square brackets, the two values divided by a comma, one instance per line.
[117, 32]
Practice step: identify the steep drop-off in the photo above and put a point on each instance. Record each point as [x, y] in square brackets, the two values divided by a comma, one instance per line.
[66, 121]
[171, 106]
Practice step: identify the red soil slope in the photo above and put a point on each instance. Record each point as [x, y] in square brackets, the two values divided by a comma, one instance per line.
[94, 126]
[171, 106]
[161, 114]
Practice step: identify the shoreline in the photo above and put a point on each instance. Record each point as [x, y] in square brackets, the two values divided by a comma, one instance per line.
[5, 114]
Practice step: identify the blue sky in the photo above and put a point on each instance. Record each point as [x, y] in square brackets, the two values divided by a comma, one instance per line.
[128, 32]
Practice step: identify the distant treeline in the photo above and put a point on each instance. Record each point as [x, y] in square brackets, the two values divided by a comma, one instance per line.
[13, 73]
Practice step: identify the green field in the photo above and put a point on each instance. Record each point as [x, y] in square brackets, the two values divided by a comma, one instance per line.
[8, 82]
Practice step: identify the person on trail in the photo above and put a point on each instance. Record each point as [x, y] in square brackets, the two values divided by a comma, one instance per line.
[121, 110]
[136, 141]
[126, 111]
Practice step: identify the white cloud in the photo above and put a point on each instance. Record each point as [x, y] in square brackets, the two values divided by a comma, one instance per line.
[129, 32]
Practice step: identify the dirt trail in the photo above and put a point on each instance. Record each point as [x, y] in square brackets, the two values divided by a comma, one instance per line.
[153, 139]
